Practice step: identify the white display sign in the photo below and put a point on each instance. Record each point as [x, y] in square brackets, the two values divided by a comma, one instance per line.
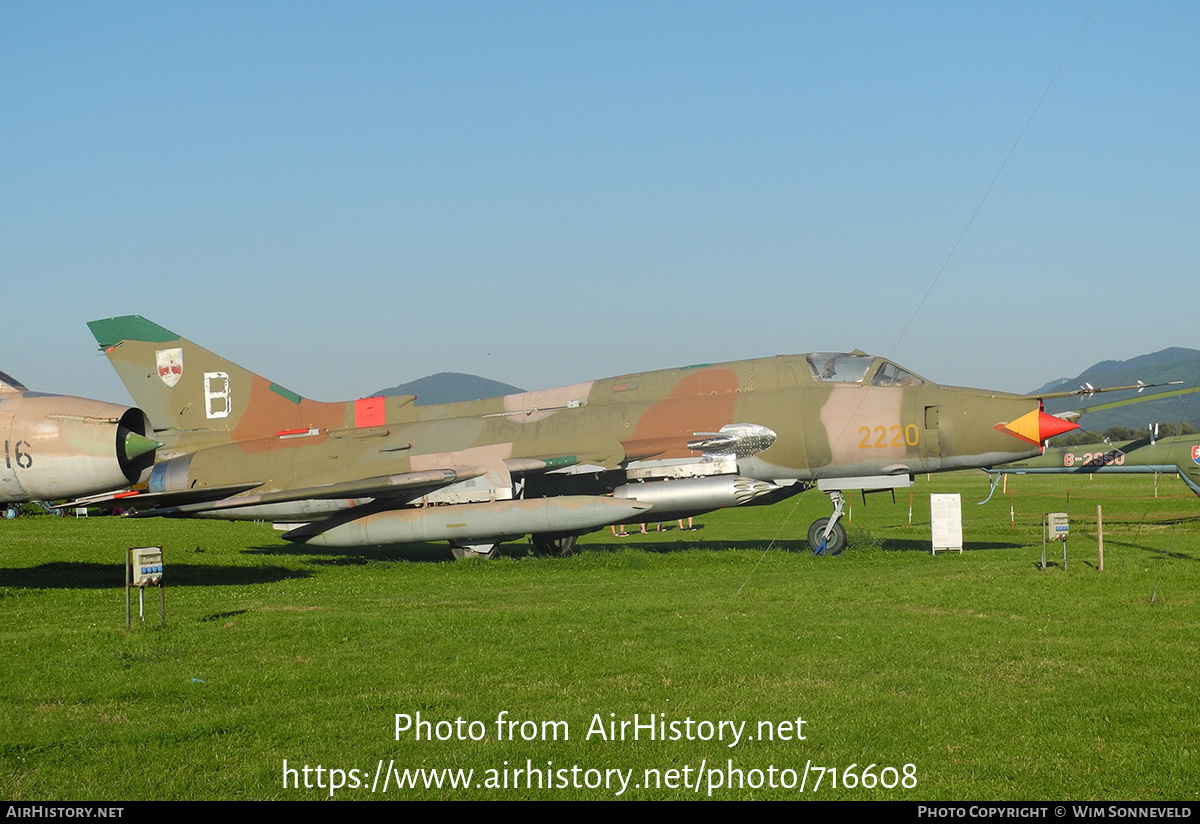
[946, 515]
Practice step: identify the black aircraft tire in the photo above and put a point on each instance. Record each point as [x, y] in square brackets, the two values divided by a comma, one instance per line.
[554, 546]
[837, 538]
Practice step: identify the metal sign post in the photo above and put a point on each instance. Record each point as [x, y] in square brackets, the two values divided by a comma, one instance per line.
[143, 568]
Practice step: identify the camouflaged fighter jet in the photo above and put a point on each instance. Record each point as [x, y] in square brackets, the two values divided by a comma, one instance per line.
[1175, 455]
[554, 463]
[58, 446]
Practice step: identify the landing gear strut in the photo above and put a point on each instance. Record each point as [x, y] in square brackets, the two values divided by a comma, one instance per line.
[827, 536]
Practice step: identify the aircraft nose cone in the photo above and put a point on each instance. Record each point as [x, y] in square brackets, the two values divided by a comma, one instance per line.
[136, 445]
[1049, 426]
[1036, 427]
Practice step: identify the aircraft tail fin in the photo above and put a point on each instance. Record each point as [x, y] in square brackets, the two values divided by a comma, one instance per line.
[203, 397]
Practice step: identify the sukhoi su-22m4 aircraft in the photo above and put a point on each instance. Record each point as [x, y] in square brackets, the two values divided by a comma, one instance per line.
[59, 446]
[555, 463]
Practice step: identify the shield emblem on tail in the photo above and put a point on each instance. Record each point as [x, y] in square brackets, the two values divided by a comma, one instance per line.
[170, 365]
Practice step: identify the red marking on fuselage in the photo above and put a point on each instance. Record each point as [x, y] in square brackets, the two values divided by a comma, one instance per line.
[266, 413]
[369, 412]
[701, 402]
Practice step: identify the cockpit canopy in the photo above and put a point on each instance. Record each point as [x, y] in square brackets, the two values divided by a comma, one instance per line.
[858, 367]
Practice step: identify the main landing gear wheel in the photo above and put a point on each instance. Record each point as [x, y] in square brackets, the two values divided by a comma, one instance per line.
[818, 543]
[556, 546]
[489, 551]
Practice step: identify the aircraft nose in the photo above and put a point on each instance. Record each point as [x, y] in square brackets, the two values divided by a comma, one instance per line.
[1036, 427]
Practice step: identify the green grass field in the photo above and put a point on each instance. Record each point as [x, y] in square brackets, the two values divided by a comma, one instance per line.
[994, 679]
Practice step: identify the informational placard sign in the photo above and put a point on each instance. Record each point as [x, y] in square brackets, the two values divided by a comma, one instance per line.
[946, 515]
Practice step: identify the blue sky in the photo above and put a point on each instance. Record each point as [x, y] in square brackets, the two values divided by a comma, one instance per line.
[343, 197]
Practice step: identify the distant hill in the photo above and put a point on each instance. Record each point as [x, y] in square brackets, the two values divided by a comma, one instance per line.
[1176, 363]
[450, 387]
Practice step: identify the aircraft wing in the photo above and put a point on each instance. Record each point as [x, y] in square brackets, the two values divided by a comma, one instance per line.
[386, 486]
[159, 499]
